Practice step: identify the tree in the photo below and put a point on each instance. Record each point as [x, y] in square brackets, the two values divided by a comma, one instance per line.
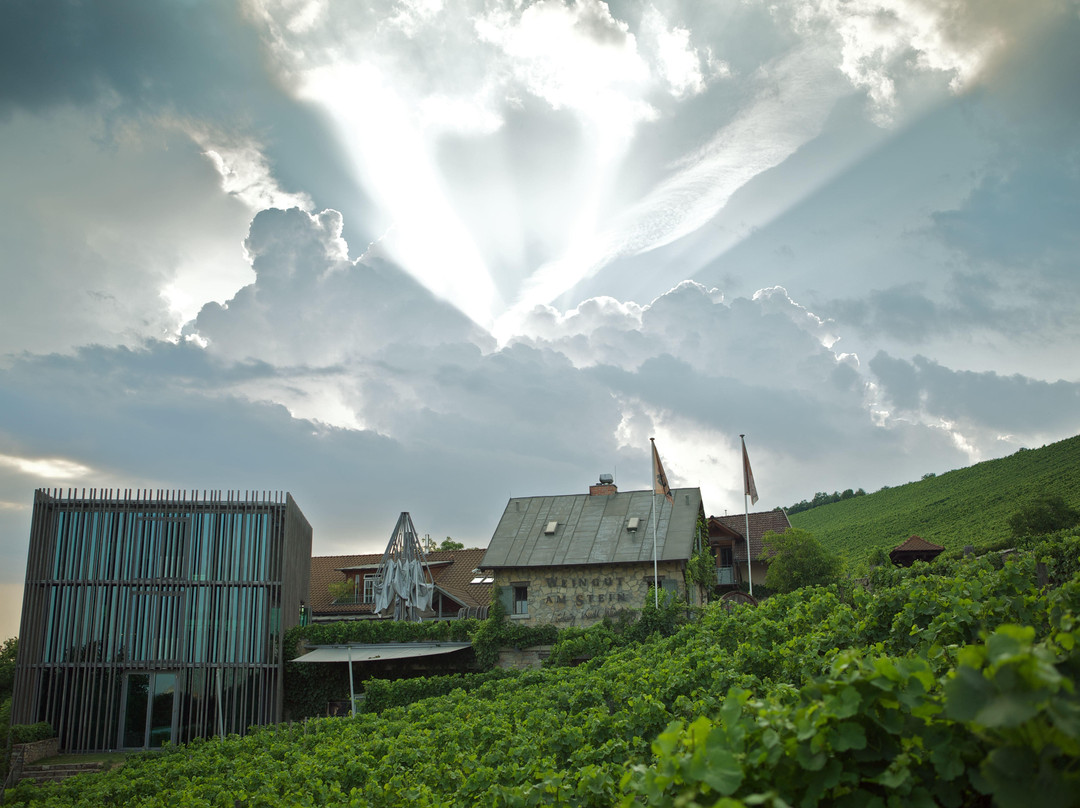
[797, 559]
[879, 557]
[342, 591]
[8, 653]
[1044, 514]
[450, 544]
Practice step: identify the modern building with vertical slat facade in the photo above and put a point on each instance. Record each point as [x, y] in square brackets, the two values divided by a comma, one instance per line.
[158, 616]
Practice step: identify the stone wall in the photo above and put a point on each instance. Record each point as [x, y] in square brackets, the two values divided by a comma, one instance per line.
[583, 595]
[37, 750]
[23, 754]
[523, 658]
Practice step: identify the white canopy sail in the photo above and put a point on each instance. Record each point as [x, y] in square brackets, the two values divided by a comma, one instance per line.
[403, 581]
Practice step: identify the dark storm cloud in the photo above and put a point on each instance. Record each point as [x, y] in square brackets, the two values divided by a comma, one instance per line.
[161, 430]
[910, 314]
[195, 55]
[195, 59]
[800, 423]
[989, 400]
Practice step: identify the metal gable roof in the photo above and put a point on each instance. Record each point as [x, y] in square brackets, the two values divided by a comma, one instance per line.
[593, 529]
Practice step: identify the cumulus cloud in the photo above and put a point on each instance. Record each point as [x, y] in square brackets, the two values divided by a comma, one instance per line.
[245, 174]
[886, 43]
[311, 306]
[99, 221]
[575, 56]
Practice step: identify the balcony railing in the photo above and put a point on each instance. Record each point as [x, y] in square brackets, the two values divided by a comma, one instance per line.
[725, 576]
[350, 600]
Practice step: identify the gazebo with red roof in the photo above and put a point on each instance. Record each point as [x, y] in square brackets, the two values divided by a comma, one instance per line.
[915, 549]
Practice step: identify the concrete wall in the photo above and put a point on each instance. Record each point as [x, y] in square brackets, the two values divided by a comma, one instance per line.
[584, 595]
[758, 570]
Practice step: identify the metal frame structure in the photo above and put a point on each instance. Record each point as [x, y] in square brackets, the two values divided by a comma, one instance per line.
[403, 581]
[158, 615]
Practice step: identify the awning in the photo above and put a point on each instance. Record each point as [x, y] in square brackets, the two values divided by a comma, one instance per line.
[368, 652]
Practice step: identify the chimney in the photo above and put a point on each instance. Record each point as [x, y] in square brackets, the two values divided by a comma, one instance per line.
[604, 488]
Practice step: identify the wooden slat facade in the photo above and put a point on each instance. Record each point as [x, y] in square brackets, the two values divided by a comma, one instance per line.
[157, 615]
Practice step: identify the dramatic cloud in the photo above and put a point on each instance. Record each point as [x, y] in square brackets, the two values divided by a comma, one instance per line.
[415, 255]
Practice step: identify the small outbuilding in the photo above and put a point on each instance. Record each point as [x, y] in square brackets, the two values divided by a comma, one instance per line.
[915, 549]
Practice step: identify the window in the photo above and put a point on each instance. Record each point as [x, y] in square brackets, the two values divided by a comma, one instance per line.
[369, 588]
[521, 599]
[481, 577]
[666, 584]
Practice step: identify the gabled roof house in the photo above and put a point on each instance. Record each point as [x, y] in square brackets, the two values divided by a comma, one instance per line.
[575, 559]
[727, 537]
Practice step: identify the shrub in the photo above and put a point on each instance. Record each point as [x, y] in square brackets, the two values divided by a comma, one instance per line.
[1043, 515]
[797, 559]
[28, 733]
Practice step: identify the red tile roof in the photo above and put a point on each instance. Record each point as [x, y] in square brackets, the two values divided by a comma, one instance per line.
[917, 544]
[452, 571]
[915, 549]
[760, 524]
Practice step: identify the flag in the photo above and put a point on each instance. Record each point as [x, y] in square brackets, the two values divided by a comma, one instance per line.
[660, 483]
[748, 476]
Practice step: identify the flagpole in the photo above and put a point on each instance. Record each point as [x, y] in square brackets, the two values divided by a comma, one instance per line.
[746, 511]
[749, 572]
[655, 574]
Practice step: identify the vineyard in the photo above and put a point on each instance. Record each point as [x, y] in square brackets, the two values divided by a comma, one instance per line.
[967, 506]
[951, 684]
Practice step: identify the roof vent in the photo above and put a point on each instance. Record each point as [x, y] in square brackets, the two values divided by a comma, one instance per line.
[606, 479]
[549, 530]
[632, 523]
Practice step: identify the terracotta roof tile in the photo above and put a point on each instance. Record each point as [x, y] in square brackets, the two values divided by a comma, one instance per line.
[452, 571]
[916, 544]
[760, 524]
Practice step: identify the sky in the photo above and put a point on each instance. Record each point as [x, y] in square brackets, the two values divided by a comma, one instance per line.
[424, 256]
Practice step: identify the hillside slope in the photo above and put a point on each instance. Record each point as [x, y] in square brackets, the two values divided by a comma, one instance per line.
[966, 506]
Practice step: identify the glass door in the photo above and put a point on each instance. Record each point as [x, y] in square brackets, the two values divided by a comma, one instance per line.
[149, 710]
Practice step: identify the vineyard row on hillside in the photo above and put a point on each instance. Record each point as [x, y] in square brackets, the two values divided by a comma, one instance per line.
[935, 686]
